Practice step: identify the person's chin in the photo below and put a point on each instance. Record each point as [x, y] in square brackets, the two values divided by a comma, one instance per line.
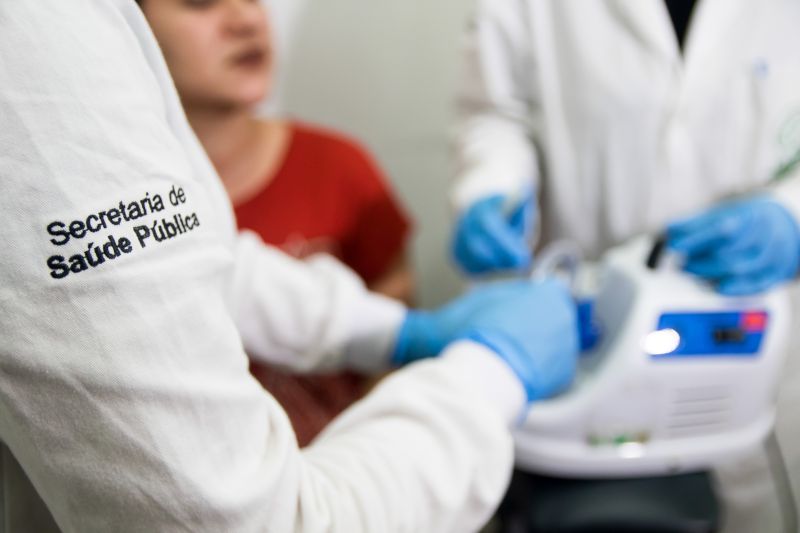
[246, 93]
[251, 98]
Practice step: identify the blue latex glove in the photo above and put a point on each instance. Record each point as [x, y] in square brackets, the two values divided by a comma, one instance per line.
[531, 326]
[535, 331]
[488, 239]
[743, 247]
[425, 334]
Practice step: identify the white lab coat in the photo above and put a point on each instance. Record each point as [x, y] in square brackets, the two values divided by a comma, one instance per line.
[125, 398]
[594, 103]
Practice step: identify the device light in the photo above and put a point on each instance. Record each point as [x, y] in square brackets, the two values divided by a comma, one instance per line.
[662, 341]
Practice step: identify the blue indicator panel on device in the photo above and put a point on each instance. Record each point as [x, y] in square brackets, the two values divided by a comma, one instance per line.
[737, 333]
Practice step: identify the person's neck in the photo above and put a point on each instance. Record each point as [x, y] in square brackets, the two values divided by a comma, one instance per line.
[245, 151]
[227, 135]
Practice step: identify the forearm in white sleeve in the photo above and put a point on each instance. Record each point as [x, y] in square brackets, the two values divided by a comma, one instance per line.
[401, 408]
[125, 396]
[309, 315]
[496, 106]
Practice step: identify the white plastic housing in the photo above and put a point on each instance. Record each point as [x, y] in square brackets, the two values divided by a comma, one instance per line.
[630, 413]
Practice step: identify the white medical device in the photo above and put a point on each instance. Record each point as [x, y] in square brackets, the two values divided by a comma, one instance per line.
[681, 379]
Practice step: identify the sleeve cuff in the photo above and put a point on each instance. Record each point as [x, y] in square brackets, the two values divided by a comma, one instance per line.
[482, 183]
[489, 376]
[373, 332]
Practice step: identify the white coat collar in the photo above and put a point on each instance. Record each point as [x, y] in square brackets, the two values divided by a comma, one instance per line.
[649, 20]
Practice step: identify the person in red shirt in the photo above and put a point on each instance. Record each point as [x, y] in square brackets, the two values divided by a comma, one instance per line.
[302, 188]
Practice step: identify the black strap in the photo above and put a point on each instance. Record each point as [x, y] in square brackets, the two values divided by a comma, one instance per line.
[680, 11]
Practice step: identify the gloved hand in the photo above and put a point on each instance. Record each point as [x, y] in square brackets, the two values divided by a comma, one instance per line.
[425, 334]
[532, 326]
[488, 239]
[535, 331]
[744, 247]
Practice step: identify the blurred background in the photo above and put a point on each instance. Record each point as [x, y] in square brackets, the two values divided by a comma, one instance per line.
[394, 96]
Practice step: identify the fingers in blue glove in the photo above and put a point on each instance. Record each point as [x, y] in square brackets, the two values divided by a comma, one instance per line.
[524, 216]
[485, 240]
[535, 331]
[509, 247]
[728, 262]
[746, 286]
[755, 270]
[744, 247]
[704, 232]
[425, 334]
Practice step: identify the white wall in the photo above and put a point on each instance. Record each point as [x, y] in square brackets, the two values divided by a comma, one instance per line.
[383, 71]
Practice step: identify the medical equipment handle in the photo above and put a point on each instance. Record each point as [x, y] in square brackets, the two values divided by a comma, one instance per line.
[656, 252]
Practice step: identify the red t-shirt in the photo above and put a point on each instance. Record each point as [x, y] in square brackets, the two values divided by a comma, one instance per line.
[328, 195]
